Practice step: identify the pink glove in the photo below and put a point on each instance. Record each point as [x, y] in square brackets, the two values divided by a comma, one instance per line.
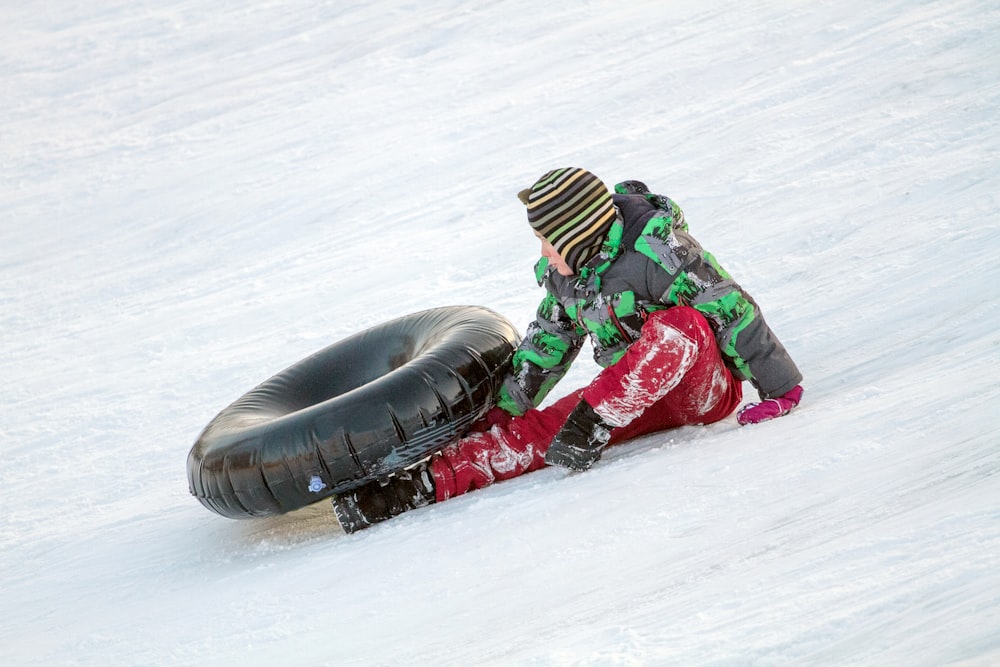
[755, 413]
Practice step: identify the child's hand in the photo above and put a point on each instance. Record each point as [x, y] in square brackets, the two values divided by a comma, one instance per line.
[755, 413]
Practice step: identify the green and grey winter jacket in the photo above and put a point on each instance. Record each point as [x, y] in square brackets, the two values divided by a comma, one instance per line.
[648, 262]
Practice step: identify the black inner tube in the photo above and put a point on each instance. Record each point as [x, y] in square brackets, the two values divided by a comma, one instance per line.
[366, 406]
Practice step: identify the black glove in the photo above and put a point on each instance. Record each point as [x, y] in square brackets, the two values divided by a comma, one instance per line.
[579, 442]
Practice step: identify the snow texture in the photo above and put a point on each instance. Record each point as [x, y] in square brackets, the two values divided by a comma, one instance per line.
[197, 194]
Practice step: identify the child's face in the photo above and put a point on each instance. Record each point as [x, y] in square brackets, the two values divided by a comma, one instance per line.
[555, 259]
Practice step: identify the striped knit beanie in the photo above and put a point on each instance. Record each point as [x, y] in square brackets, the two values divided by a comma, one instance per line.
[572, 209]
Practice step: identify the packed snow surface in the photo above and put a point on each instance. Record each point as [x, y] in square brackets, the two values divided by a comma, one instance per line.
[196, 195]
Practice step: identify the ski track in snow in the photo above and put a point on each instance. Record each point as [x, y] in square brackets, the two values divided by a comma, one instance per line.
[196, 195]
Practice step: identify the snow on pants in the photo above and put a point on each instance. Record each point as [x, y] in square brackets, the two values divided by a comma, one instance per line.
[673, 375]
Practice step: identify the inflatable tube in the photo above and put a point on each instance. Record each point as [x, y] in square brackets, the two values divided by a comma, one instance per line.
[357, 410]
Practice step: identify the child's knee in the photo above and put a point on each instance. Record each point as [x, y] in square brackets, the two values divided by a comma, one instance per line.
[684, 319]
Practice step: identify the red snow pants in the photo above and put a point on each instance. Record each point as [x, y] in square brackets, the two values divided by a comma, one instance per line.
[673, 375]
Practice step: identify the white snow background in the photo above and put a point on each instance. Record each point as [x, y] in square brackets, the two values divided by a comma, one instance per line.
[196, 195]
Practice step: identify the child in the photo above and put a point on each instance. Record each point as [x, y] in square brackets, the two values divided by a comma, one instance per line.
[675, 334]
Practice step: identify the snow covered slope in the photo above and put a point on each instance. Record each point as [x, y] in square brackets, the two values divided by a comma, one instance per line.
[196, 195]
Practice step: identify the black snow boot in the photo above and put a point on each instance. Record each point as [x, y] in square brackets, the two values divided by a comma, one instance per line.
[579, 442]
[380, 500]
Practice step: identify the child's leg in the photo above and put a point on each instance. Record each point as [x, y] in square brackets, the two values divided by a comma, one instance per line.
[672, 376]
[480, 459]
